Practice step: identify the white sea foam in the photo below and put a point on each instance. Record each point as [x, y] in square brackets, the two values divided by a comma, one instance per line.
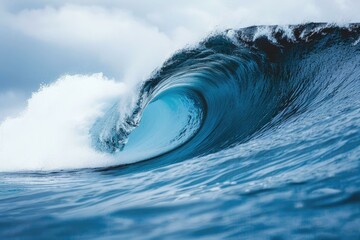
[53, 131]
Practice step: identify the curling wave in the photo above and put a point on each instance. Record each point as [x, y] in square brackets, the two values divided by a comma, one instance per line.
[232, 87]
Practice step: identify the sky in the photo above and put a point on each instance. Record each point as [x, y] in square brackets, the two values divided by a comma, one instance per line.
[126, 40]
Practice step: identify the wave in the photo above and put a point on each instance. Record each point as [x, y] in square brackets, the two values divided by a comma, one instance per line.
[232, 87]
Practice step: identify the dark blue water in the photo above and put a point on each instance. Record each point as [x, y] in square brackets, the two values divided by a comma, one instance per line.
[252, 134]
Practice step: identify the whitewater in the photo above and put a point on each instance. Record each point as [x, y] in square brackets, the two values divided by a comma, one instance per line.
[252, 132]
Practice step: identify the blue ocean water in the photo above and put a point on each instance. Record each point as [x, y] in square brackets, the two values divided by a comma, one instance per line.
[252, 134]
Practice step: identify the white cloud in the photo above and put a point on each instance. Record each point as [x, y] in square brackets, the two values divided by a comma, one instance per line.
[135, 37]
[11, 103]
[114, 36]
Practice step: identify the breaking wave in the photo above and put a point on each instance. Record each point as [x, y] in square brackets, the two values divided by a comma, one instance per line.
[253, 133]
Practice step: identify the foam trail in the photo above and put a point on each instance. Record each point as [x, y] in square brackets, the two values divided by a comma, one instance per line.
[52, 133]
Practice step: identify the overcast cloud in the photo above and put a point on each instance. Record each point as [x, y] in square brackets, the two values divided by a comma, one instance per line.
[42, 40]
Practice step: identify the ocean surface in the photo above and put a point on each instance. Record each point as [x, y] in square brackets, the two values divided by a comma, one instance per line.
[253, 133]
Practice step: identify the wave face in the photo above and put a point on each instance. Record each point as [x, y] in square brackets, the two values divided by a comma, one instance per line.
[252, 133]
[232, 88]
